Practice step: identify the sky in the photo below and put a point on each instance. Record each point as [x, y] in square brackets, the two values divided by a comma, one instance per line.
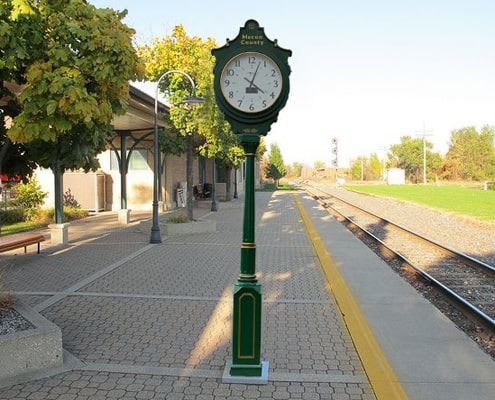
[366, 72]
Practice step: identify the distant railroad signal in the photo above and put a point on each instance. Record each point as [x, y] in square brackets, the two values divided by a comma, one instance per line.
[335, 161]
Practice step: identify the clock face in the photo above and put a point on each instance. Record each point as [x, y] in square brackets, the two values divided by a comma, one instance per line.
[251, 82]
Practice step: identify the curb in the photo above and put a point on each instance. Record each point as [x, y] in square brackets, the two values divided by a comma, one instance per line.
[32, 350]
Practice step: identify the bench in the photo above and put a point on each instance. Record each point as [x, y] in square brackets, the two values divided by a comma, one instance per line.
[201, 191]
[12, 242]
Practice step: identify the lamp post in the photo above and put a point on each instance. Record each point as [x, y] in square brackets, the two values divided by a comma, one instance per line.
[192, 100]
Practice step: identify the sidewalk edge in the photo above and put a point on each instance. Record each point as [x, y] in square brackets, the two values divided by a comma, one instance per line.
[380, 373]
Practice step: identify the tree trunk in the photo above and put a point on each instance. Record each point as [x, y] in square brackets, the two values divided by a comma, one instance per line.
[59, 192]
[228, 185]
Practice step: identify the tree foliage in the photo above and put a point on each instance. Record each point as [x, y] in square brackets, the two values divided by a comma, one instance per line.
[75, 62]
[192, 55]
[319, 165]
[408, 155]
[366, 168]
[295, 170]
[275, 169]
[471, 155]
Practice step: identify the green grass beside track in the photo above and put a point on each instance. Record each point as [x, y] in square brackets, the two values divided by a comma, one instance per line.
[457, 199]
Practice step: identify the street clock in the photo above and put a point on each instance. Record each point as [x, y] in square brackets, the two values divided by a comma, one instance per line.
[251, 80]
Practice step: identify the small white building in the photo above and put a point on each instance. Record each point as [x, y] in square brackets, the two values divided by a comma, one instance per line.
[396, 176]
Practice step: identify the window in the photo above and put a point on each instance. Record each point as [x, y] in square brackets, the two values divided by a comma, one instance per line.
[138, 161]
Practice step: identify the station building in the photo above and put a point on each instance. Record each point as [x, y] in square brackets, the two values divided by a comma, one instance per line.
[108, 189]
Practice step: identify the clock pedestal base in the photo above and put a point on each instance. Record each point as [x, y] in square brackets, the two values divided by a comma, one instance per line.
[247, 380]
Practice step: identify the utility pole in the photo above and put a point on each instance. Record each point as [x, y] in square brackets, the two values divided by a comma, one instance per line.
[384, 161]
[424, 134]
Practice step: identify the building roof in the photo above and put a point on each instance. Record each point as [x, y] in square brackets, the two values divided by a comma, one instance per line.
[140, 112]
[139, 116]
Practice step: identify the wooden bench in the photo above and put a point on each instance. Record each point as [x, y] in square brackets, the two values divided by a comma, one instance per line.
[12, 242]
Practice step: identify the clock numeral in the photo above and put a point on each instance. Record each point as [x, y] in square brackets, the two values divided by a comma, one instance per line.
[251, 107]
[274, 73]
[264, 103]
[227, 82]
[275, 84]
[237, 63]
[240, 103]
[272, 95]
[229, 72]
[251, 60]
[231, 95]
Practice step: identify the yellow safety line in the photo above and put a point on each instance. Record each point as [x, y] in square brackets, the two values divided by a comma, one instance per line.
[380, 374]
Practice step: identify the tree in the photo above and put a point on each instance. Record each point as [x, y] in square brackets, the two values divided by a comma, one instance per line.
[76, 62]
[295, 170]
[375, 167]
[319, 165]
[408, 155]
[357, 168]
[14, 159]
[192, 55]
[471, 155]
[16, 43]
[368, 169]
[275, 169]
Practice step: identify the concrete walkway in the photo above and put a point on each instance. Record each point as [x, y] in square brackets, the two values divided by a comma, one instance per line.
[142, 321]
[154, 321]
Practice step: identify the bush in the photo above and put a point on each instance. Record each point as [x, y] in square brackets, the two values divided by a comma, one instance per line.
[29, 199]
[70, 214]
[178, 219]
[70, 200]
[11, 216]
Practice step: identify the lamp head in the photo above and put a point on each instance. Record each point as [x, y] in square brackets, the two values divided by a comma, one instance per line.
[193, 100]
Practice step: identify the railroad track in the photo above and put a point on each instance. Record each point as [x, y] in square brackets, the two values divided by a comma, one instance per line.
[469, 283]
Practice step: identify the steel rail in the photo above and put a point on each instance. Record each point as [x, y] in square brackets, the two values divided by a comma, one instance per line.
[471, 260]
[485, 319]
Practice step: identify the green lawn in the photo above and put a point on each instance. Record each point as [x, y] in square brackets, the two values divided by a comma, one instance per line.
[21, 227]
[457, 199]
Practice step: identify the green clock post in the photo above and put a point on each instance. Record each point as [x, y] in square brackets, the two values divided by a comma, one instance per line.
[251, 82]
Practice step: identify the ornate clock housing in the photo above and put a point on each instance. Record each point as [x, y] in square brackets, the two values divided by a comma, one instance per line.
[251, 82]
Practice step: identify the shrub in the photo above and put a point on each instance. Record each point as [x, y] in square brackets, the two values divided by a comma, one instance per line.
[70, 214]
[29, 199]
[11, 216]
[70, 200]
[178, 219]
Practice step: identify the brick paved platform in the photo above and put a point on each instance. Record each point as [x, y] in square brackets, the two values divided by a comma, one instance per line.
[143, 321]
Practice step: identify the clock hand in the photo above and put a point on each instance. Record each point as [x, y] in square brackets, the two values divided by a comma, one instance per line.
[251, 82]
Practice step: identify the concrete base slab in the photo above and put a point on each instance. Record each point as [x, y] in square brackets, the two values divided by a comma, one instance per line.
[59, 233]
[246, 380]
[32, 350]
[124, 216]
